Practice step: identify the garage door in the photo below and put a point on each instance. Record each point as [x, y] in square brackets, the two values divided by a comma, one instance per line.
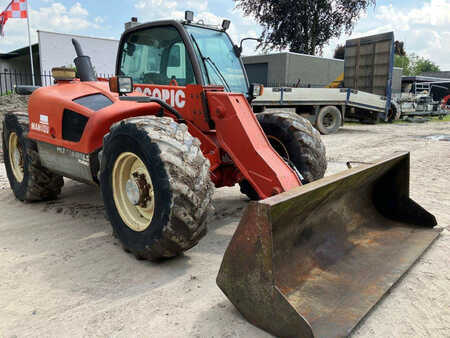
[257, 72]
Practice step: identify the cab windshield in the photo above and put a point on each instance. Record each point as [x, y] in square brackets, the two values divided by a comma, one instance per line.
[216, 56]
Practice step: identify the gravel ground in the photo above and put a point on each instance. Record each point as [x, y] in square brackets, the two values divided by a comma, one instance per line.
[63, 274]
[13, 102]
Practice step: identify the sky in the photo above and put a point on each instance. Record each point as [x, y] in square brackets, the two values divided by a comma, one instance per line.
[424, 26]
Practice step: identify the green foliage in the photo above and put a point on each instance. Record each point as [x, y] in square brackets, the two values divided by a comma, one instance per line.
[7, 93]
[415, 65]
[303, 26]
[70, 66]
[339, 52]
[445, 118]
[404, 63]
[422, 65]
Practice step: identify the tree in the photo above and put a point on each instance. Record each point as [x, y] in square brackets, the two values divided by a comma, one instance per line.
[415, 65]
[303, 26]
[399, 48]
[404, 63]
[423, 65]
[339, 52]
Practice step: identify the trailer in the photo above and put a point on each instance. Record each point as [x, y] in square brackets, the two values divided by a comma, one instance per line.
[325, 108]
[366, 94]
[423, 99]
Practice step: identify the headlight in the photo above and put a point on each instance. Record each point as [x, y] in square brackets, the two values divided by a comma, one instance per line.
[125, 84]
[256, 89]
[121, 84]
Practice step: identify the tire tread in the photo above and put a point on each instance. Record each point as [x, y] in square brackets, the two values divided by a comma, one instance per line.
[190, 184]
[311, 155]
[42, 184]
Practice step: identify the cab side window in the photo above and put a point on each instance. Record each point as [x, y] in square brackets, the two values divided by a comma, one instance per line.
[157, 56]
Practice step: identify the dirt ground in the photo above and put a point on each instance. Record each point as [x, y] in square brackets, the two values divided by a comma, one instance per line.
[63, 273]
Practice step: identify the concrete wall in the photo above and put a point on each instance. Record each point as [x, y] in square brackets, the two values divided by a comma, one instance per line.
[4, 65]
[56, 50]
[17, 71]
[20, 64]
[313, 70]
[277, 64]
[288, 68]
[397, 80]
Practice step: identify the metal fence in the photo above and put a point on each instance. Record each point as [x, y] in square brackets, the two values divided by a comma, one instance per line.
[296, 85]
[10, 79]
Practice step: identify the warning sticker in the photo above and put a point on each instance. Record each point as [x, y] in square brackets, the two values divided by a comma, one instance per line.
[43, 119]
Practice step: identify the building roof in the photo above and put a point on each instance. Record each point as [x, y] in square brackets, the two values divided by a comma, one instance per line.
[20, 52]
[78, 36]
[35, 47]
[290, 53]
[443, 74]
[421, 78]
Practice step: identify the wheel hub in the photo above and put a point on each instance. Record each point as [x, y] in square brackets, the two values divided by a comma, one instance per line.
[328, 120]
[17, 158]
[138, 190]
[133, 191]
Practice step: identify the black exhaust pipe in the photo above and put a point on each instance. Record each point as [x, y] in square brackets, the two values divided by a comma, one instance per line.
[83, 63]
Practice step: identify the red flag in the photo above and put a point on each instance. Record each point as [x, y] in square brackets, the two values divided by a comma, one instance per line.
[17, 9]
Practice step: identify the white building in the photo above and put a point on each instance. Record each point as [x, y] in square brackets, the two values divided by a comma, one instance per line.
[54, 50]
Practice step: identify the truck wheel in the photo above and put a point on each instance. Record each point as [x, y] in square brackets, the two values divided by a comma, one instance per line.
[329, 120]
[297, 142]
[156, 186]
[28, 179]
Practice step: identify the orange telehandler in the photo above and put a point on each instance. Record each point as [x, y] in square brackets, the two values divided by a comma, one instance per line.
[306, 259]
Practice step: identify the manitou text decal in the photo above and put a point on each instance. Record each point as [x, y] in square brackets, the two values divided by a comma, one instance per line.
[174, 97]
[43, 128]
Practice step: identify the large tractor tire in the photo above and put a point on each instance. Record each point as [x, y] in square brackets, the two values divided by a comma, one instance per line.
[297, 142]
[156, 186]
[28, 179]
[329, 120]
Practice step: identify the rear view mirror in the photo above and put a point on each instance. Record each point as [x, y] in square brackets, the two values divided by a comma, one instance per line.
[121, 84]
[238, 49]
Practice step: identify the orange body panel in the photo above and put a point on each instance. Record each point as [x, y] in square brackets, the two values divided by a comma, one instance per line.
[241, 136]
[231, 137]
[51, 102]
[188, 101]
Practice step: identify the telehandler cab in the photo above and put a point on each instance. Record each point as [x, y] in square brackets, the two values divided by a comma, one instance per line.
[305, 260]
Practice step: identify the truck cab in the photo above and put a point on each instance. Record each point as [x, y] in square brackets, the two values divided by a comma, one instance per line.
[181, 53]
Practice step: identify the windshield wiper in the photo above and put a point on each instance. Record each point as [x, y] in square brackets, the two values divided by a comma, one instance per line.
[218, 72]
[211, 62]
[202, 57]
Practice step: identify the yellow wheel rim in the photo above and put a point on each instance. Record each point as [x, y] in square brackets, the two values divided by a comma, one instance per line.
[133, 191]
[15, 156]
[279, 147]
